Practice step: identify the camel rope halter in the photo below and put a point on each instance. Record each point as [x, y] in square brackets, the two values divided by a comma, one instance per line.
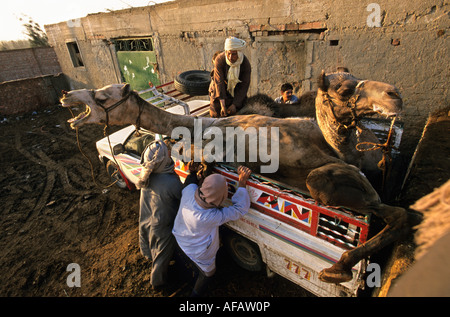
[385, 163]
[114, 106]
[107, 110]
[351, 104]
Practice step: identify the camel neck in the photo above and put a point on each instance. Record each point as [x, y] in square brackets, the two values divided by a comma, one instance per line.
[156, 119]
[336, 133]
[326, 117]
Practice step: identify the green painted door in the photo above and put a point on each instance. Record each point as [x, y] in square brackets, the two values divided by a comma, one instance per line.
[138, 66]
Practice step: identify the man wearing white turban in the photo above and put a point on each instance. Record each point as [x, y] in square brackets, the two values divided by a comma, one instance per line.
[230, 80]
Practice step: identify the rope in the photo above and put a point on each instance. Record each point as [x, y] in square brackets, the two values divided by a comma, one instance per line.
[107, 110]
[385, 147]
[90, 162]
[384, 163]
[105, 134]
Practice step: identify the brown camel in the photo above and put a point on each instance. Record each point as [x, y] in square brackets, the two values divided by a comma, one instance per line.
[342, 100]
[306, 161]
[264, 105]
[338, 105]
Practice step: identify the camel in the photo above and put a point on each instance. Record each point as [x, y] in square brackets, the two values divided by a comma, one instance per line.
[338, 105]
[342, 100]
[264, 105]
[432, 238]
[306, 161]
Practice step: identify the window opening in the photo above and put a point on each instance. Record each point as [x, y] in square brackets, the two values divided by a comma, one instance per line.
[334, 42]
[136, 45]
[75, 54]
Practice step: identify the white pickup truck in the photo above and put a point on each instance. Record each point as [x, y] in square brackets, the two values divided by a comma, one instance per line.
[285, 231]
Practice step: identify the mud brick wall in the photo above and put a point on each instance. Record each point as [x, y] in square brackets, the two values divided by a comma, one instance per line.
[28, 63]
[30, 94]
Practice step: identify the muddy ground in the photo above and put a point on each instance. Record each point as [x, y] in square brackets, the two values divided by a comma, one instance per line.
[53, 214]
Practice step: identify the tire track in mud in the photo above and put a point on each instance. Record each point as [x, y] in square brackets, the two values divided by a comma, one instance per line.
[63, 174]
[50, 182]
[9, 189]
[80, 164]
[52, 212]
[83, 220]
[107, 215]
[51, 166]
[40, 200]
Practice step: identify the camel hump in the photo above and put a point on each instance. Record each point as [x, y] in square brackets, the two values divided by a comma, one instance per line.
[260, 104]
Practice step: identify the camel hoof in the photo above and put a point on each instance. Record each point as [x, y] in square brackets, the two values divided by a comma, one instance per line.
[332, 275]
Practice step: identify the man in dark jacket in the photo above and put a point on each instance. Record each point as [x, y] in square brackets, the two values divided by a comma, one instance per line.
[230, 80]
[160, 198]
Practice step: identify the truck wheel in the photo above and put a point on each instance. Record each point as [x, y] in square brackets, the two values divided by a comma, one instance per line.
[244, 252]
[193, 82]
[115, 175]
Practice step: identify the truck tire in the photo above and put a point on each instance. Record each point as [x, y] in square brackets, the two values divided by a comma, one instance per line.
[193, 82]
[115, 175]
[243, 251]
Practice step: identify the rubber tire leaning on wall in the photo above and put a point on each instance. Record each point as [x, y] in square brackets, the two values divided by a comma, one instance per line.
[193, 82]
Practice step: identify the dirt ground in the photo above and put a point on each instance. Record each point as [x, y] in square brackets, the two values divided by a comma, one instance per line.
[53, 214]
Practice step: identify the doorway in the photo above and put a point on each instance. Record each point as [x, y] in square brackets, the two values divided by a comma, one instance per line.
[137, 62]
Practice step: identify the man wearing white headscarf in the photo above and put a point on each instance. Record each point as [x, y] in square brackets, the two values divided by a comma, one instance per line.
[160, 197]
[230, 80]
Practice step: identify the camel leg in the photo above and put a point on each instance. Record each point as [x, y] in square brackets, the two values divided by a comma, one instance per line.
[341, 271]
[343, 185]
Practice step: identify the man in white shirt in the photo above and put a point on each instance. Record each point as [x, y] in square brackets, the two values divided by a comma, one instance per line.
[196, 227]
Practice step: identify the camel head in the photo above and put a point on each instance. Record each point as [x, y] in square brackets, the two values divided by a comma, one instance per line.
[98, 102]
[367, 96]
